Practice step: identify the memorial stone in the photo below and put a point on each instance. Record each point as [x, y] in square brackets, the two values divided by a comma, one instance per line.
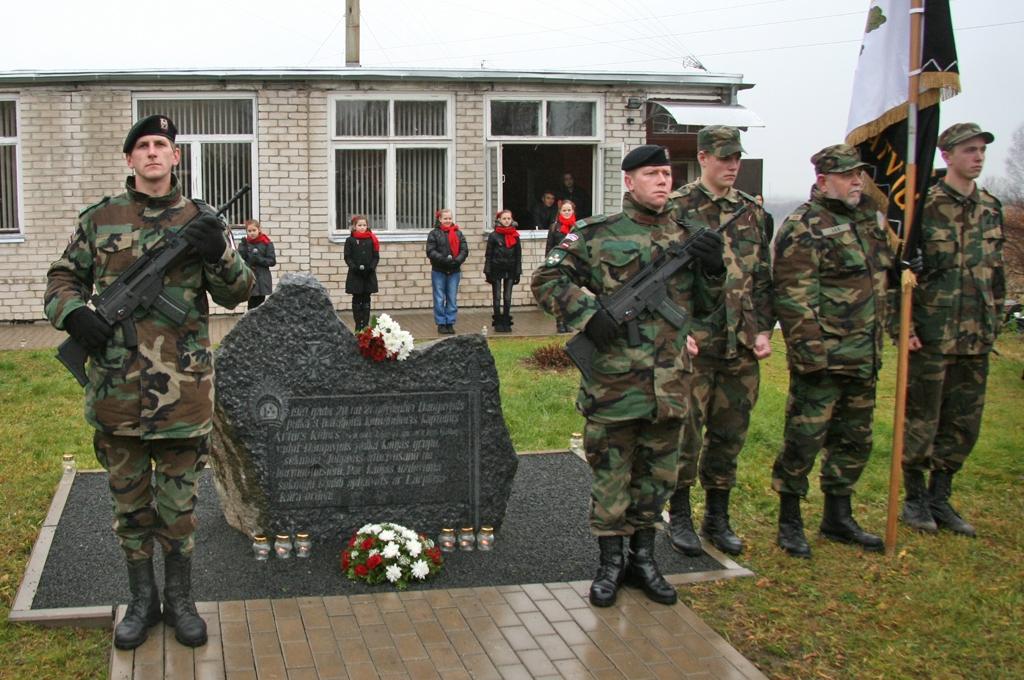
[309, 435]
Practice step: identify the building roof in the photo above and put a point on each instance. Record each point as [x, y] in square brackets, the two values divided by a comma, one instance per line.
[687, 77]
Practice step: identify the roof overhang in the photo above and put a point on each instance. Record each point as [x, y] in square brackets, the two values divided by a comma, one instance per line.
[683, 78]
[710, 114]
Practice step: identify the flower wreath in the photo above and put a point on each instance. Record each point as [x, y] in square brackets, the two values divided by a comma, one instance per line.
[390, 552]
[384, 340]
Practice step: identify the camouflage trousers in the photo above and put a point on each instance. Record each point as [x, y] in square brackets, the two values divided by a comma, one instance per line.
[945, 399]
[634, 467]
[724, 394]
[831, 413]
[152, 504]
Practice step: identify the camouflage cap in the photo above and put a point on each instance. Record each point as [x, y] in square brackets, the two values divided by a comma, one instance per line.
[150, 125]
[645, 155]
[720, 140]
[837, 158]
[961, 132]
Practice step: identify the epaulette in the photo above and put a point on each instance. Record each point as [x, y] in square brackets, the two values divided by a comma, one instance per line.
[747, 196]
[591, 221]
[799, 212]
[993, 197]
[98, 204]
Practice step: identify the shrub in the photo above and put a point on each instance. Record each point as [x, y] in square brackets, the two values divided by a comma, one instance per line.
[550, 357]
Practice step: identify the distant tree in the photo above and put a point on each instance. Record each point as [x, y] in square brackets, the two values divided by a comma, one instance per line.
[1010, 190]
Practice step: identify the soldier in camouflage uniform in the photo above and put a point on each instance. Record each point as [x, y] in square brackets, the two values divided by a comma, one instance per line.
[957, 308]
[637, 397]
[732, 338]
[153, 402]
[830, 274]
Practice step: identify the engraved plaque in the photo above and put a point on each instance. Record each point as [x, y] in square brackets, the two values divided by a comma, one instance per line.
[365, 450]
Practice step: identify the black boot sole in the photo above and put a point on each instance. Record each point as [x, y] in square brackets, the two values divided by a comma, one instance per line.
[689, 552]
[721, 546]
[837, 538]
[795, 553]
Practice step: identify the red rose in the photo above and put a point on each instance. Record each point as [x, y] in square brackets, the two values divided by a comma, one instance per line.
[374, 561]
[352, 541]
[361, 570]
[344, 560]
[367, 543]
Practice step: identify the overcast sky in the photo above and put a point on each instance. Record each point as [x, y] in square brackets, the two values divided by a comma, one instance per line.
[799, 54]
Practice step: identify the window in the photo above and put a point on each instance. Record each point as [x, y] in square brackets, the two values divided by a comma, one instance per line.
[391, 160]
[216, 137]
[543, 118]
[9, 201]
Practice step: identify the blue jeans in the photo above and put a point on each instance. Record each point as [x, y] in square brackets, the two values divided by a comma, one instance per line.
[446, 289]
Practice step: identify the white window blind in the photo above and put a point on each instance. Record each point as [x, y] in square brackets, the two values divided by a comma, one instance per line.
[392, 157]
[9, 168]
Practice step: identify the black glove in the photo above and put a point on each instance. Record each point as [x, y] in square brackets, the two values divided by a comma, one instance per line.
[707, 247]
[206, 236]
[88, 329]
[602, 330]
[916, 263]
[489, 279]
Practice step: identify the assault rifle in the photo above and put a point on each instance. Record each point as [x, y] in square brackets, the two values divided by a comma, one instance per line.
[647, 290]
[141, 286]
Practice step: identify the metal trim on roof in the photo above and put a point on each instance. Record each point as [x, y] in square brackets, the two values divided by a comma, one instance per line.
[711, 114]
[378, 74]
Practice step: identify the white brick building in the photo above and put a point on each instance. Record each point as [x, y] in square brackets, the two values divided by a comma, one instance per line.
[318, 146]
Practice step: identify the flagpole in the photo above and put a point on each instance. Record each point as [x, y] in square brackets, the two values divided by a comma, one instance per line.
[906, 280]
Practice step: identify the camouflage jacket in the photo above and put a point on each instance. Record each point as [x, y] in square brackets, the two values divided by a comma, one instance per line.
[164, 389]
[959, 296]
[745, 306]
[596, 258]
[830, 277]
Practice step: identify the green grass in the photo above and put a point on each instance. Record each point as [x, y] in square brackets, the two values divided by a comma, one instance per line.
[942, 607]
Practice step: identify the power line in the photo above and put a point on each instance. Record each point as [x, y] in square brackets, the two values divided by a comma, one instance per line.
[653, 37]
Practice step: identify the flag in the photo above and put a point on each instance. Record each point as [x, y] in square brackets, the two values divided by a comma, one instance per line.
[877, 124]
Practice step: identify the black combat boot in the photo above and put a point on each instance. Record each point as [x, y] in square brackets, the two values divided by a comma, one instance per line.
[838, 525]
[144, 609]
[508, 322]
[916, 512]
[791, 527]
[940, 488]
[611, 572]
[642, 571]
[179, 609]
[684, 538]
[716, 523]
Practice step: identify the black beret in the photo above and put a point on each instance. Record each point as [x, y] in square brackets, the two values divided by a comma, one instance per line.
[150, 125]
[642, 156]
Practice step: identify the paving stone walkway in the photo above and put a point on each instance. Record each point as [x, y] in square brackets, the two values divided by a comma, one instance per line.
[502, 633]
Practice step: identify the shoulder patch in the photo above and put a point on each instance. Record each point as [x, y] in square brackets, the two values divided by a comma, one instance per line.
[98, 204]
[569, 239]
[590, 221]
[555, 256]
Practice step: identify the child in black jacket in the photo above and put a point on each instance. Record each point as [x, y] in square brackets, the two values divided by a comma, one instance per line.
[503, 266]
[362, 253]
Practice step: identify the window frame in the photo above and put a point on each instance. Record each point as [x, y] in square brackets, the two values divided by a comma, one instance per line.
[16, 235]
[390, 144]
[543, 98]
[195, 142]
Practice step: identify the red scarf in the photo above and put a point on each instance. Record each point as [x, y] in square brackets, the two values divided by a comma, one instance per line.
[510, 234]
[262, 238]
[370, 235]
[453, 238]
[566, 224]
